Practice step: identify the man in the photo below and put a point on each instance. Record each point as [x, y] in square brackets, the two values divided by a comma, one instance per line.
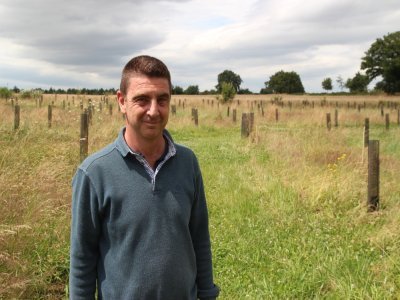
[139, 217]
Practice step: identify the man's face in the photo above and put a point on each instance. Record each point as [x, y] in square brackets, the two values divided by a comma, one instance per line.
[146, 105]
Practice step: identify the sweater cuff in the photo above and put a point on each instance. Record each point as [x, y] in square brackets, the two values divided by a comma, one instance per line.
[209, 294]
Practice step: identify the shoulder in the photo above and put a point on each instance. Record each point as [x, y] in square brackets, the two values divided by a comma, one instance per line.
[107, 157]
[187, 158]
[179, 150]
[184, 150]
[95, 170]
[101, 158]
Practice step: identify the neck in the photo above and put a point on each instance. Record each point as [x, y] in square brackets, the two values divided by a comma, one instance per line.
[150, 149]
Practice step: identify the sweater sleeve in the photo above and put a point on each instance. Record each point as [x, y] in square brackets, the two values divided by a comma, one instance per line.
[85, 231]
[206, 289]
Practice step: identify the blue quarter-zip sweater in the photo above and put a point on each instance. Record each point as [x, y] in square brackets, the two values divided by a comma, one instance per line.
[137, 235]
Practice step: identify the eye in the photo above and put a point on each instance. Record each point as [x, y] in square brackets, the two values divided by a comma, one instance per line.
[163, 100]
[141, 100]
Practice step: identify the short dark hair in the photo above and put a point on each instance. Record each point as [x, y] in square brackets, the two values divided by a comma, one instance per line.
[144, 65]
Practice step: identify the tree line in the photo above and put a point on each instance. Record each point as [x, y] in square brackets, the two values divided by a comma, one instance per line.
[7, 93]
[381, 61]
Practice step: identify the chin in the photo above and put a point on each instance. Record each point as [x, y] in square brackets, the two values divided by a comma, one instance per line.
[152, 135]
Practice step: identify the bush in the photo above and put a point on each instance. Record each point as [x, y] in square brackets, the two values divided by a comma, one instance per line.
[5, 93]
[228, 91]
[25, 94]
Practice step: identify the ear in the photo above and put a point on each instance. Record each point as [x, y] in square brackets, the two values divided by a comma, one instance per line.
[121, 101]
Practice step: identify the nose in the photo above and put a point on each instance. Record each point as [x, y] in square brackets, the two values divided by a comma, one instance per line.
[153, 108]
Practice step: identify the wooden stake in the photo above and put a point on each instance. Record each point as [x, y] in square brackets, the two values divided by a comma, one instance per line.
[373, 175]
[84, 139]
[336, 118]
[16, 116]
[366, 132]
[245, 125]
[387, 121]
[49, 115]
[328, 121]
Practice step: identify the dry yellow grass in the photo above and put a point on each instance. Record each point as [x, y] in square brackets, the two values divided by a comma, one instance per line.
[293, 157]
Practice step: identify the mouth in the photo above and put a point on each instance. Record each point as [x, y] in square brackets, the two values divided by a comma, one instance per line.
[152, 122]
[152, 125]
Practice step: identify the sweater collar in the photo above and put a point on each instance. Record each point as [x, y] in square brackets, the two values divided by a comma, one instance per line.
[124, 149]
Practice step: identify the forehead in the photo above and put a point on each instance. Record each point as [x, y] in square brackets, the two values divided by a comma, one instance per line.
[141, 83]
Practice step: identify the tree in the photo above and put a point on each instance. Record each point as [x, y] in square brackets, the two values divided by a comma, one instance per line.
[229, 77]
[177, 90]
[391, 75]
[383, 59]
[192, 90]
[26, 94]
[228, 91]
[209, 92]
[244, 92]
[358, 83]
[283, 82]
[327, 84]
[340, 82]
[5, 93]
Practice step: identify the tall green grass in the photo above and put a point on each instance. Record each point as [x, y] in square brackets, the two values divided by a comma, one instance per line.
[275, 236]
[287, 205]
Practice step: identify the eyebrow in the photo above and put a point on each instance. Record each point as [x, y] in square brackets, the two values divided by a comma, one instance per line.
[146, 96]
[165, 95]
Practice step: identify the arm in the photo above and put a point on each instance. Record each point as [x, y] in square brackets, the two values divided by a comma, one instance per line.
[85, 231]
[206, 289]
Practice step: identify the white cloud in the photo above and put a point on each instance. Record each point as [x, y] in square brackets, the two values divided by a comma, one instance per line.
[75, 43]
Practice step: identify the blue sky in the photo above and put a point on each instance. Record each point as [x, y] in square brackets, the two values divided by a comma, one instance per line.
[76, 44]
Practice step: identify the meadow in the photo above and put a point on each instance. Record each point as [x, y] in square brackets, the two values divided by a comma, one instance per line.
[287, 205]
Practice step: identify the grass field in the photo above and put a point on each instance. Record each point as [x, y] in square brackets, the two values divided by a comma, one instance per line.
[287, 206]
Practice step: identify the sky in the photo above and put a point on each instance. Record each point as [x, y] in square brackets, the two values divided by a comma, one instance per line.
[85, 44]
